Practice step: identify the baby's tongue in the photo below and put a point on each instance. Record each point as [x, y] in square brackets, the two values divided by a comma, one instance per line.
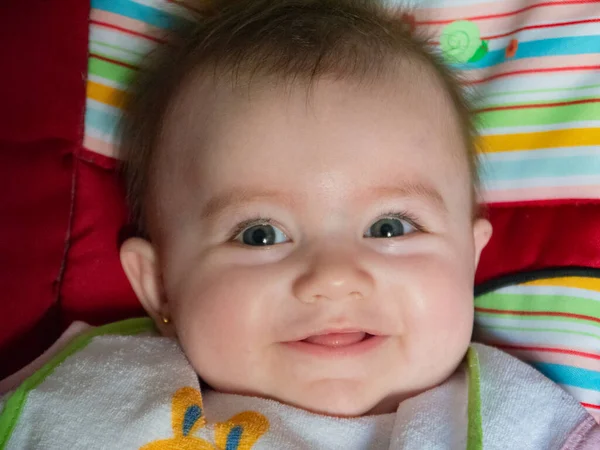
[336, 339]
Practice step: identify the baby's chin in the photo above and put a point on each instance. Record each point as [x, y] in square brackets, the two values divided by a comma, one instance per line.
[340, 398]
[347, 405]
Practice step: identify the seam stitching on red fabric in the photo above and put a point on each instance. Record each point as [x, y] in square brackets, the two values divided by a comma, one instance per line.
[67, 243]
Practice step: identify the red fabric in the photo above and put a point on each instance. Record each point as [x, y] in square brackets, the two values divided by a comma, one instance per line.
[44, 56]
[94, 287]
[35, 199]
[541, 235]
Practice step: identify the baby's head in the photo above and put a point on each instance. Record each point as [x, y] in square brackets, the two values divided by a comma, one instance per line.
[304, 175]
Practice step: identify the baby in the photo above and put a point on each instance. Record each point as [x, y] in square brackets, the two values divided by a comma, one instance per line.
[304, 178]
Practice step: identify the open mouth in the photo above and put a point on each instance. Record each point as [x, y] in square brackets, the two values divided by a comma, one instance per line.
[337, 343]
[336, 340]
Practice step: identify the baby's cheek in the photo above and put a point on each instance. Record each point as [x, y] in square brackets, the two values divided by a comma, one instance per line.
[216, 329]
[441, 300]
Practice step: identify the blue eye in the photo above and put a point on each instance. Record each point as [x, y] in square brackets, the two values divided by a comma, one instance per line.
[389, 227]
[261, 235]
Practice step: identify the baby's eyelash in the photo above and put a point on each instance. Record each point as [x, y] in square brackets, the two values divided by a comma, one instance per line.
[405, 215]
[249, 223]
[402, 215]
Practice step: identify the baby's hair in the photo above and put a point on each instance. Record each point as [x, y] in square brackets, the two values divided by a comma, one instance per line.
[289, 40]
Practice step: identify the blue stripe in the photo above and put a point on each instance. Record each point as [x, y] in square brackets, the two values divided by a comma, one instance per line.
[102, 121]
[136, 11]
[554, 167]
[234, 437]
[572, 45]
[570, 376]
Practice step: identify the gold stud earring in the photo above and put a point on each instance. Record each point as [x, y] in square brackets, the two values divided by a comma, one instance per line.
[166, 320]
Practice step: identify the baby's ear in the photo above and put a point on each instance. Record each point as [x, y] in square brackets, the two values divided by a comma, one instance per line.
[140, 263]
[482, 232]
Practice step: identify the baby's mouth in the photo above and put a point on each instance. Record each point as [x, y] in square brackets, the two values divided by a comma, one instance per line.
[338, 339]
[337, 343]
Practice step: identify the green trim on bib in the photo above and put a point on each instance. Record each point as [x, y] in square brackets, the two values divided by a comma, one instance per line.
[16, 401]
[474, 426]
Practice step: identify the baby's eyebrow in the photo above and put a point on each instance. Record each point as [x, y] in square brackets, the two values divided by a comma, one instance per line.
[419, 190]
[240, 197]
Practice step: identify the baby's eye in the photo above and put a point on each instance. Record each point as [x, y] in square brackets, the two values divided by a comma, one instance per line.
[261, 235]
[389, 227]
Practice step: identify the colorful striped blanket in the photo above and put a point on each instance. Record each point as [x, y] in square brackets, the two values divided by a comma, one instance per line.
[535, 66]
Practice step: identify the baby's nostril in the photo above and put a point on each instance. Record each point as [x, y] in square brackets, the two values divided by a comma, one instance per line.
[356, 295]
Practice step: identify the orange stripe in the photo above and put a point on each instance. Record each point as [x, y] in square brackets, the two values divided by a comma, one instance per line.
[587, 283]
[106, 94]
[539, 105]
[572, 137]
[537, 313]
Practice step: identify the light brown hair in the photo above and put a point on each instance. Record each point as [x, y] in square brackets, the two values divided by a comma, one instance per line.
[293, 40]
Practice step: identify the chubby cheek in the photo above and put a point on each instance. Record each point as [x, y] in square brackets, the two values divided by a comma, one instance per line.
[437, 308]
[222, 323]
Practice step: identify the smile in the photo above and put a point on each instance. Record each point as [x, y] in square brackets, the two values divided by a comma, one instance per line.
[337, 343]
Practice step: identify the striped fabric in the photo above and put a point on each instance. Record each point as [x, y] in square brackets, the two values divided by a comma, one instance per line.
[554, 324]
[539, 86]
[122, 32]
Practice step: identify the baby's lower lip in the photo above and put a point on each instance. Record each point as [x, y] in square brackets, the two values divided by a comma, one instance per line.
[338, 339]
[337, 344]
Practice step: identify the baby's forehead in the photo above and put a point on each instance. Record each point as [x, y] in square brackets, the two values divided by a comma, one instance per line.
[221, 128]
[207, 98]
[208, 108]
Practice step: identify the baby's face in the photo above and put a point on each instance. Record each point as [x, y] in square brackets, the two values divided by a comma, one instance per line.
[320, 250]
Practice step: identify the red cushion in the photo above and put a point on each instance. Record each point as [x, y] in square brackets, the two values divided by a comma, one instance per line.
[541, 235]
[42, 87]
[35, 199]
[94, 287]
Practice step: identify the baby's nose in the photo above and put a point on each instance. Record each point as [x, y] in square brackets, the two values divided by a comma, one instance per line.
[332, 277]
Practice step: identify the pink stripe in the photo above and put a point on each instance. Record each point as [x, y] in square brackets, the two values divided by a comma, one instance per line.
[542, 193]
[501, 25]
[125, 22]
[556, 358]
[594, 413]
[99, 146]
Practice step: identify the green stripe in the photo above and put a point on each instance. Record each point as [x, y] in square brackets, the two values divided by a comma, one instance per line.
[16, 401]
[110, 71]
[539, 116]
[474, 425]
[132, 61]
[554, 303]
[544, 330]
[122, 49]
